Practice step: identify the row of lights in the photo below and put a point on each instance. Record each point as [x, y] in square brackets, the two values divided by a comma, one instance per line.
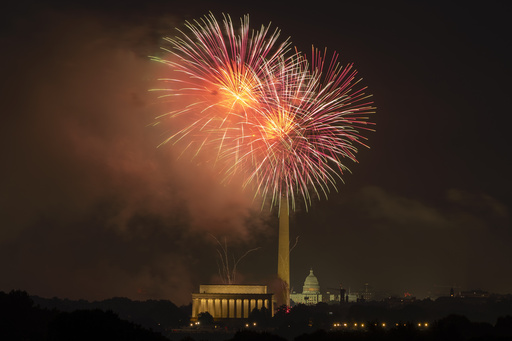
[383, 325]
[420, 325]
[348, 325]
[355, 325]
[198, 323]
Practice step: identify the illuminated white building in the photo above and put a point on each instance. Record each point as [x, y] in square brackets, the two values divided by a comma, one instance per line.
[310, 291]
[230, 301]
[311, 294]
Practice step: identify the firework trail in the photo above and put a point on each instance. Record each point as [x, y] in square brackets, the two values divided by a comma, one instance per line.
[305, 131]
[285, 123]
[219, 75]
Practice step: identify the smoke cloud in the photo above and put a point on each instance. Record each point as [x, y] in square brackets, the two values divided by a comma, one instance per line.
[90, 207]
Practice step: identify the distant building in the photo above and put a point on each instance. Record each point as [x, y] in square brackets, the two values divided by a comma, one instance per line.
[312, 295]
[439, 291]
[474, 294]
[230, 301]
[366, 293]
[310, 291]
[353, 297]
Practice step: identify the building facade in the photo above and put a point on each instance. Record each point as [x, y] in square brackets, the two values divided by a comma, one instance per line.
[310, 291]
[230, 301]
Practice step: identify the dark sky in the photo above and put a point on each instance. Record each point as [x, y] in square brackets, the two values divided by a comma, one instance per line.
[91, 209]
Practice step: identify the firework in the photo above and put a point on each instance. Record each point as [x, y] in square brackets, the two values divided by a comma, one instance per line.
[285, 123]
[219, 75]
[304, 127]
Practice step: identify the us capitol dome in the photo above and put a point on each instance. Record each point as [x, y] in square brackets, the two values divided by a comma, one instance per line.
[310, 291]
[311, 285]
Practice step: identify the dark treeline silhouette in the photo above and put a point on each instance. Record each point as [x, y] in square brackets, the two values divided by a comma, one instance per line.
[158, 315]
[418, 320]
[21, 319]
[475, 309]
[450, 328]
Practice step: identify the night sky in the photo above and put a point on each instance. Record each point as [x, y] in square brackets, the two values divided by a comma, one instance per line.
[91, 209]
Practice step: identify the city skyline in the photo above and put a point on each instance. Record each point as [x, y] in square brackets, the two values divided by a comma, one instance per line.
[92, 209]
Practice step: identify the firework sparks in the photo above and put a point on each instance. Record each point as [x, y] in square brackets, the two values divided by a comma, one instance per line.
[220, 73]
[285, 123]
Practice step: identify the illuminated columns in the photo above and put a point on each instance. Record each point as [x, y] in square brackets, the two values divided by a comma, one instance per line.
[231, 308]
[211, 306]
[224, 308]
[218, 312]
[230, 301]
[238, 308]
[195, 308]
[203, 305]
[246, 307]
[283, 256]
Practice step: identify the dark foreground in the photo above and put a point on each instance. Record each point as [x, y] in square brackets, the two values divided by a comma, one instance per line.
[23, 319]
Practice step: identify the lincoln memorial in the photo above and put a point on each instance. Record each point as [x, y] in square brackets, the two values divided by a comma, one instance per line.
[230, 301]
